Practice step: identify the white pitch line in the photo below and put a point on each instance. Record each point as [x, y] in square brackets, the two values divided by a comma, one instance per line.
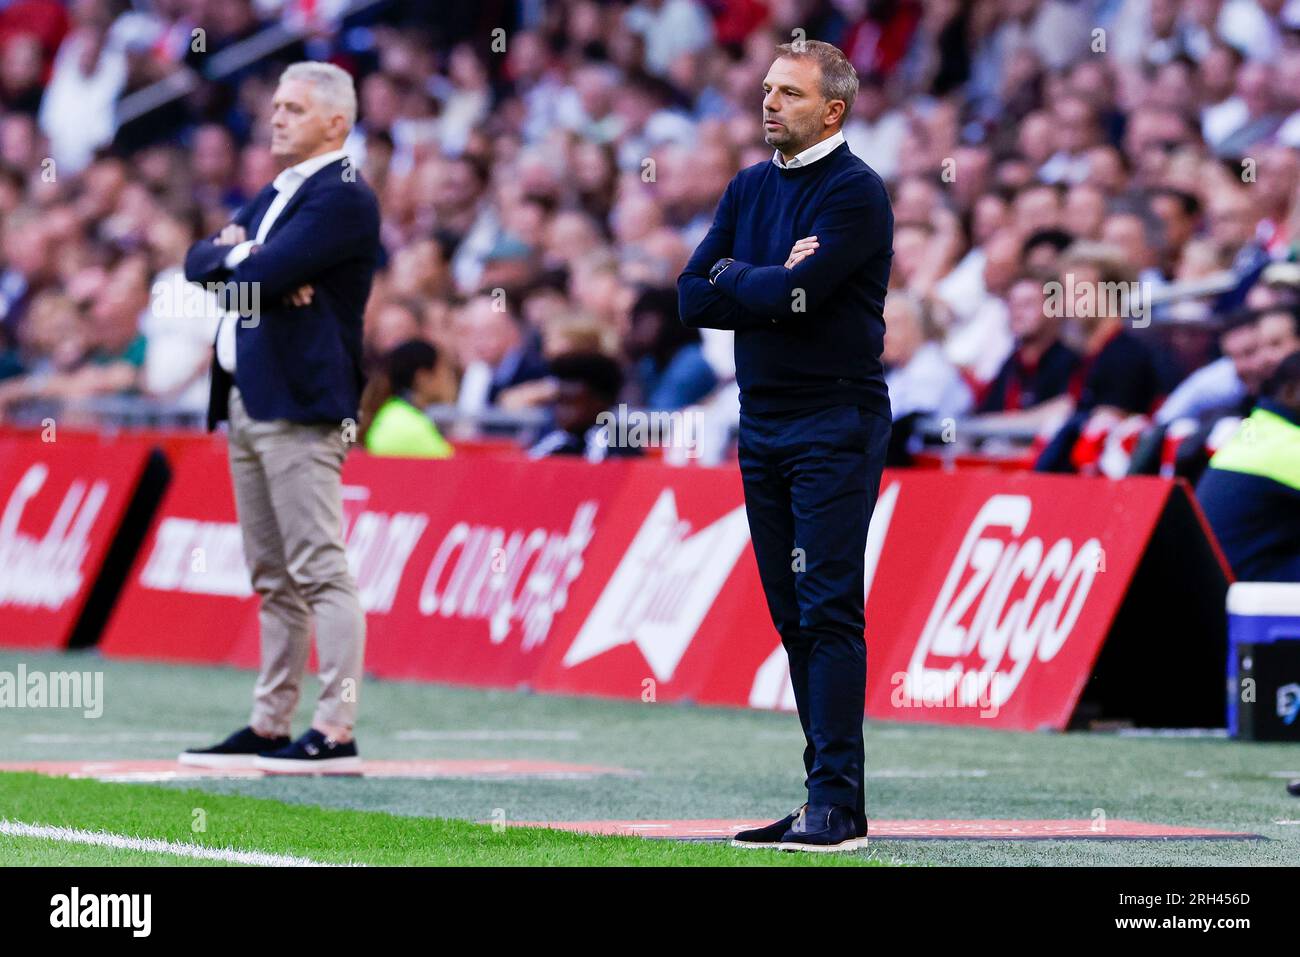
[151, 845]
[923, 773]
[119, 736]
[486, 734]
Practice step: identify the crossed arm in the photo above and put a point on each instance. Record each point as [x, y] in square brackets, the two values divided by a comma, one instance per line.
[747, 296]
[312, 241]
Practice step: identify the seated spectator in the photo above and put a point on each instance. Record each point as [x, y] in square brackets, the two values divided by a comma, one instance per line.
[179, 326]
[53, 337]
[392, 420]
[1043, 249]
[1042, 366]
[114, 345]
[1251, 491]
[28, 268]
[496, 353]
[1279, 336]
[1261, 344]
[920, 378]
[587, 384]
[669, 368]
[980, 339]
[1118, 374]
[1224, 384]
[395, 322]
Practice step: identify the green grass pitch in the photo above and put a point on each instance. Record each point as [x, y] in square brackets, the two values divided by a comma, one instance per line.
[688, 762]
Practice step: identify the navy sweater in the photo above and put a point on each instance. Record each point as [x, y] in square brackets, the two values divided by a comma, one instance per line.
[810, 336]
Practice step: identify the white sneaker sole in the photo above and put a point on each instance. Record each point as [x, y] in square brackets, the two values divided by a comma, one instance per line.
[764, 845]
[349, 765]
[853, 844]
[216, 760]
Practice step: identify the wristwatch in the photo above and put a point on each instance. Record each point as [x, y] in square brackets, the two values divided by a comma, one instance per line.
[717, 269]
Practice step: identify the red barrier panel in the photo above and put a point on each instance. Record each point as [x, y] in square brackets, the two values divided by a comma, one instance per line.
[990, 595]
[63, 503]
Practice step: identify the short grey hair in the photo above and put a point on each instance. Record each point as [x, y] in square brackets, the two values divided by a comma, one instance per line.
[332, 84]
[839, 79]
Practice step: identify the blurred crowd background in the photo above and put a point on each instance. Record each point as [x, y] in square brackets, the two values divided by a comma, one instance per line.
[561, 158]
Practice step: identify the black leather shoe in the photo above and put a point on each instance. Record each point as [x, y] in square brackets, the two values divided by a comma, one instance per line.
[823, 828]
[237, 751]
[313, 753]
[769, 836]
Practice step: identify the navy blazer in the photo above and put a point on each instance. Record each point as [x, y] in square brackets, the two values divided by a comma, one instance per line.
[301, 363]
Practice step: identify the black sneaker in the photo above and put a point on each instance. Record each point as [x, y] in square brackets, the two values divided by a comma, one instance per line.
[237, 751]
[313, 753]
[769, 836]
[823, 828]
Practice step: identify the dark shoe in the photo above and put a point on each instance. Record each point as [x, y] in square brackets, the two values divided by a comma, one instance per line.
[823, 828]
[237, 751]
[313, 753]
[769, 836]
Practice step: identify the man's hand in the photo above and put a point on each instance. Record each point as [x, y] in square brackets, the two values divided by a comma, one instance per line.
[232, 235]
[801, 251]
[302, 296]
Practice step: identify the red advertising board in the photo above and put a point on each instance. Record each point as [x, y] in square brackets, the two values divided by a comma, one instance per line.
[61, 504]
[990, 594]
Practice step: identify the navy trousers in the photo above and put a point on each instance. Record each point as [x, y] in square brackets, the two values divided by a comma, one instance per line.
[811, 479]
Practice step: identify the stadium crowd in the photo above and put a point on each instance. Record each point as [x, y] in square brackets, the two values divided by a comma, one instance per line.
[546, 168]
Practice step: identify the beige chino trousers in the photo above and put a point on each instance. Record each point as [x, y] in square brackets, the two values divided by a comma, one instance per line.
[288, 492]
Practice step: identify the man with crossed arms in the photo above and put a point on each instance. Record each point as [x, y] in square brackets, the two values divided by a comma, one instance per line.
[797, 263]
[289, 381]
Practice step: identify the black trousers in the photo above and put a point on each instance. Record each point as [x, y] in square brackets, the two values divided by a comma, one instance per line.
[811, 479]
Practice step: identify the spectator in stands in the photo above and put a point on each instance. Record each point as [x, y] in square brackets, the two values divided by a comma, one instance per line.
[496, 353]
[395, 322]
[920, 378]
[1251, 491]
[1118, 375]
[1043, 249]
[21, 73]
[587, 385]
[1180, 213]
[980, 339]
[77, 111]
[29, 268]
[52, 339]
[1261, 117]
[668, 28]
[589, 157]
[1042, 366]
[392, 417]
[180, 323]
[1279, 336]
[669, 368]
[1222, 386]
[113, 345]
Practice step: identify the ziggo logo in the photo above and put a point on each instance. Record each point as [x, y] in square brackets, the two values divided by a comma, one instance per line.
[961, 665]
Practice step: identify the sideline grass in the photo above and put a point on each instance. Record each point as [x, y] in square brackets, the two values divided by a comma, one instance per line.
[698, 762]
[325, 834]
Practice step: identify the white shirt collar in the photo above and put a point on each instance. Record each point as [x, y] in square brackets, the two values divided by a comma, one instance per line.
[812, 154]
[298, 174]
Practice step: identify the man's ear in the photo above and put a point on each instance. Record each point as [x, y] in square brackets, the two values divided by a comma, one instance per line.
[834, 113]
